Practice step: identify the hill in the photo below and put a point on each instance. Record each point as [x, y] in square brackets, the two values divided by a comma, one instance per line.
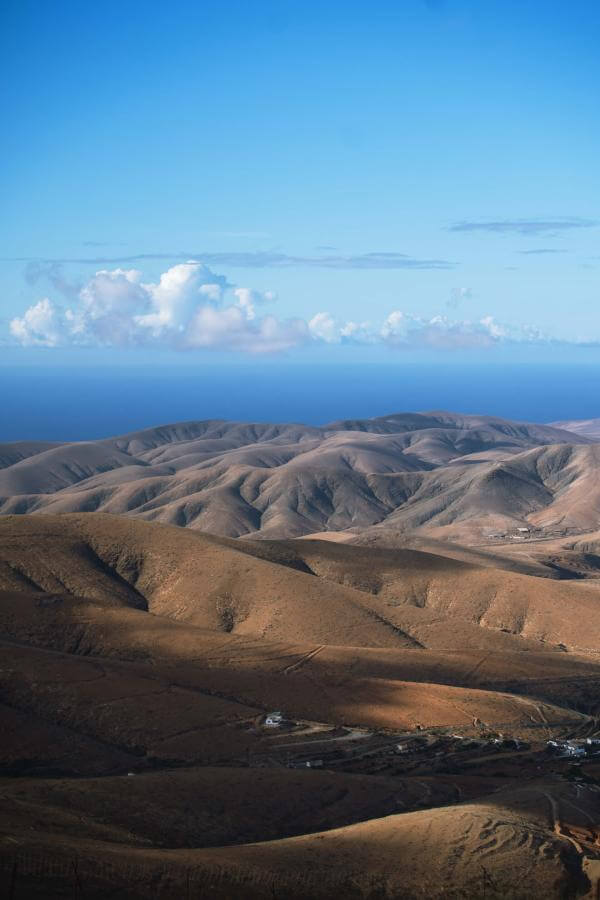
[300, 590]
[589, 428]
[139, 662]
[444, 474]
[538, 841]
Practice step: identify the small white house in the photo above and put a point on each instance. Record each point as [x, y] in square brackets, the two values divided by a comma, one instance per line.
[274, 719]
[574, 751]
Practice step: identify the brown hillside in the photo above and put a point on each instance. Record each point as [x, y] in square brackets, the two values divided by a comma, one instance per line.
[442, 474]
[536, 842]
[139, 661]
[301, 591]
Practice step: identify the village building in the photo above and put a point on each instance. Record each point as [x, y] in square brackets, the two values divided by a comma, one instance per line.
[274, 719]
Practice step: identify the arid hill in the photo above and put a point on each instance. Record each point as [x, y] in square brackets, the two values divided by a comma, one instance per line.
[587, 427]
[297, 590]
[139, 663]
[447, 475]
[535, 841]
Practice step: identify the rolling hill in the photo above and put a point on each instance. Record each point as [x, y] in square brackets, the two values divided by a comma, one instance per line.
[447, 475]
[296, 590]
[419, 682]
[586, 427]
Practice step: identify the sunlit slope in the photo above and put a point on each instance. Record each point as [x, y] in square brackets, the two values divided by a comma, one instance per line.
[438, 473]
[589, 428]
[64, 653]
[304, 590]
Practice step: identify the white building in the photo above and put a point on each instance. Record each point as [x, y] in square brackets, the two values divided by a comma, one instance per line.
[570, 750]
[274, 719]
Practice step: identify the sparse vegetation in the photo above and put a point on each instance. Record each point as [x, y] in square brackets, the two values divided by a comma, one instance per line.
[400, 762]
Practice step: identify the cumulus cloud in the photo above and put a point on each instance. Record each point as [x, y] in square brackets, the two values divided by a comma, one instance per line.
[41, 326]
[186, 308]
[357, 331]
[230, 328]
[190, 307]
[324, 327]
[402, 330]
[248, 300]
[173, 300]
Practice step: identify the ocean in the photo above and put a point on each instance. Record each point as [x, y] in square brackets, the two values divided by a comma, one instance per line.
[69, 404]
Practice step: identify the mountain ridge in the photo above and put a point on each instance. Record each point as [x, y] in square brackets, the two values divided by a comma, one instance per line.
[445, 474]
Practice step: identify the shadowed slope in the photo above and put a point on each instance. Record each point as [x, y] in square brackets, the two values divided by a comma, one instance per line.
[535, 842]
[344, 685]
[158, 808]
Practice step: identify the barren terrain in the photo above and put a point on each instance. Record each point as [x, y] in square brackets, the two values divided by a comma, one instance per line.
[445, 475]
[414, 599]
[418, 692]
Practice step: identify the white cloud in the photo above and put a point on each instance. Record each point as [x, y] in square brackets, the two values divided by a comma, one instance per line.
[39, 327]
[174, 299]
[111, 291]
[230, 328]
[405, 330]
[188, 308]
[185, 309]
[247, 300]
[106, 307]
[357, 331]
[324, 327]
[495, 330]
[395, 326]
[212, 292]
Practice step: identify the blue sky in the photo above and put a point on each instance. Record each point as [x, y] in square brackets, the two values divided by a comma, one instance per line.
[332, 182]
